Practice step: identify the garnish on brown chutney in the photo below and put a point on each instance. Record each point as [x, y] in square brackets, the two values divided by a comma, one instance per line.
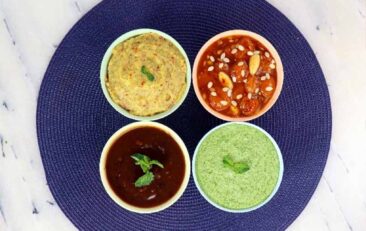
[155, 146]
[146, 164]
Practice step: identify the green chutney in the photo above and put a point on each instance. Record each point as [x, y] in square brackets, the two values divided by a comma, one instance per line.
[242, 143]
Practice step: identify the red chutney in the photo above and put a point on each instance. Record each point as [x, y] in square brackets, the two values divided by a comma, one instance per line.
[237, 76]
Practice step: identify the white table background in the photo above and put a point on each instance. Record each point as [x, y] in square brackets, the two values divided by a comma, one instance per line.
[30, 31]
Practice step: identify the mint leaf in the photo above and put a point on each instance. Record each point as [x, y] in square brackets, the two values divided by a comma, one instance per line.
[146, 164]
[157, 163]
[149, 76]
[146, 159]
[144, 180]
[143, 161]
[228, 161]
[240, 167]
[237, 167]
[137, 156]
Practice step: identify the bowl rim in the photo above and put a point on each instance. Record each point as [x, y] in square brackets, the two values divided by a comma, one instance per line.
[275, 189]
[103, 174]
[104, 69]
[279, 70]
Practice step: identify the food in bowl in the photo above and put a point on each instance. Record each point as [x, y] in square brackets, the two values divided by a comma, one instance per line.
[237, 167]
[145, 167]
[238, 74]
[145, 74]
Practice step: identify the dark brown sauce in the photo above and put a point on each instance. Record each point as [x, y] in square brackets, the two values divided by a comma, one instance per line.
[122, 171]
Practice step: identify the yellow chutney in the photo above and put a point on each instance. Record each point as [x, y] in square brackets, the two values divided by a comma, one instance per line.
[147, 75]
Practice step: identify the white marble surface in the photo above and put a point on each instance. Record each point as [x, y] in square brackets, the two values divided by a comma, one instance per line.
[31, 30]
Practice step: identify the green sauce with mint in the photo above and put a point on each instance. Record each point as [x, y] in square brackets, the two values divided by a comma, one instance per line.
[237, 166]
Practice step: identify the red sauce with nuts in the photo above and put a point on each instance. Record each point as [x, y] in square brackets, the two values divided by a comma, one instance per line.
[237, 76]
[122, 171]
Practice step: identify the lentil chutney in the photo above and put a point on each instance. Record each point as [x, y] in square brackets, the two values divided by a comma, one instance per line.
[146, 75]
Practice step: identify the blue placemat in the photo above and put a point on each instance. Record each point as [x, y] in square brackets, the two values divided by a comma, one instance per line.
[74, 120]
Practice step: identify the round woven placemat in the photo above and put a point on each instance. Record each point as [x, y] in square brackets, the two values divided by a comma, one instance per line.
[74, 120]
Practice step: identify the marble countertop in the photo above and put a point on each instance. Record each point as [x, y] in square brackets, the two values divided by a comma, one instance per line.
[30, 31]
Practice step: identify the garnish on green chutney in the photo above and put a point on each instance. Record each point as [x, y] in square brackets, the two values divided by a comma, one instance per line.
[146, 164]
[145, 167]
[237, 166]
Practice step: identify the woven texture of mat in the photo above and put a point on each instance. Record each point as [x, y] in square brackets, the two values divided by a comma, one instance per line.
[74, 120]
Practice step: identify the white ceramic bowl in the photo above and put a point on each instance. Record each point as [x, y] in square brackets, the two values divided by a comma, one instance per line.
[103, 174]
[275, 189]
[104, 69]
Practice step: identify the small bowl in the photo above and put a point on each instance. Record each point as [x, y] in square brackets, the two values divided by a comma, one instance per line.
[104, 70]
[103, 173]
[279, 68]
[275, 189]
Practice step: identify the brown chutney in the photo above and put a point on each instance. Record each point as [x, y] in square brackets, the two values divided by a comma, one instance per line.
[122, 172]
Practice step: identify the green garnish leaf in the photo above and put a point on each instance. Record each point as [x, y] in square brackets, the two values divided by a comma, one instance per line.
[240, 167]
[137, 156]
[157, 163]
[144, 180]
[143, 161]
[228, 161]
[237, 167]
[146, 164]
[148, 74]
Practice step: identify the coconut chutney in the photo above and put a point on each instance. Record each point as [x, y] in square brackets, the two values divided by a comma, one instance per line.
[147, 75]
[225, 186]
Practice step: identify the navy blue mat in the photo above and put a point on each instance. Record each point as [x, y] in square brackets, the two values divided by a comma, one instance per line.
[74, 120]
